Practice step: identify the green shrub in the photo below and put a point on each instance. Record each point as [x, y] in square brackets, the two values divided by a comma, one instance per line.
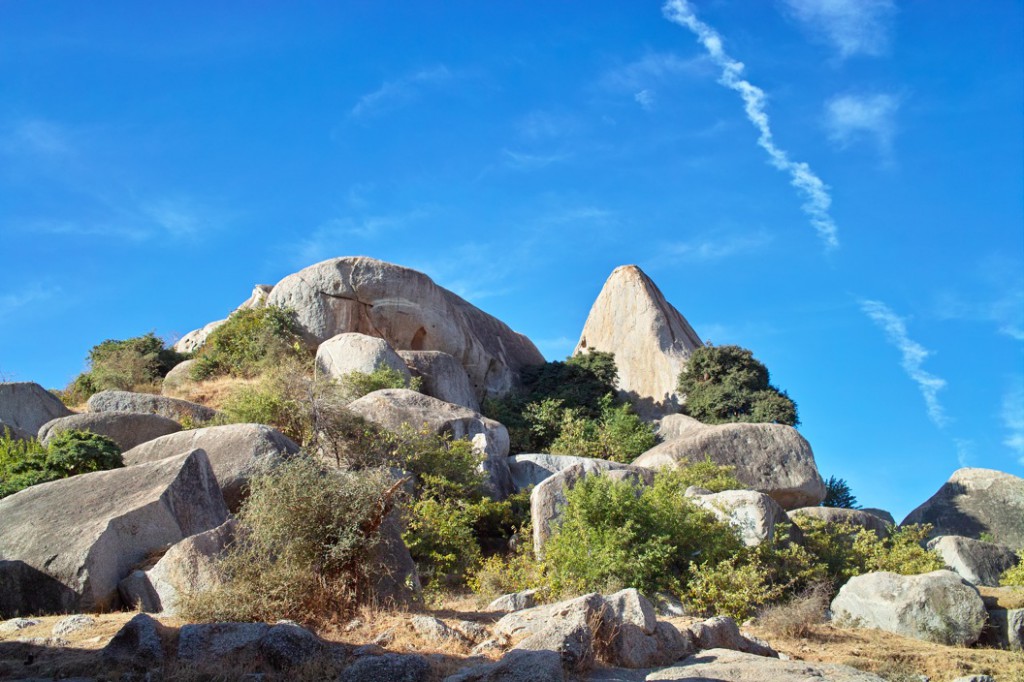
[705, 474]
[1014, 577]
[132, 364]
[250, 341]
[355, 385]
[734, 587]
[439, 534]
[616, 534]
[514, 571]
[301, 552]
[727, 384]
[617, 434]
[26, 463]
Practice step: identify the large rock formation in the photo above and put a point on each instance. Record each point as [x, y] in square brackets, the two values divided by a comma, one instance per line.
[27, 406]
[771, 458]
[976, 501]
[936, 607]
[398, 408]
[65, 545]
[409, 311]
[236, 452]
[533, 469]
[753, 514]
[651, 340]
[443, 377]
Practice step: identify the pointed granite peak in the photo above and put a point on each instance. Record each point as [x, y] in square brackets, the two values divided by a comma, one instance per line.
[651, 340]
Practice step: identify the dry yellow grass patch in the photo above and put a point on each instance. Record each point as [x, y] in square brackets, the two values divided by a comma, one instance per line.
[212, 393]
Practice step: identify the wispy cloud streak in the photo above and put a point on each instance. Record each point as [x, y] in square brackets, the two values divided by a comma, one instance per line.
[802, 177]
[392, 94]
[1013, 419]
[852, 26]
[914, 355]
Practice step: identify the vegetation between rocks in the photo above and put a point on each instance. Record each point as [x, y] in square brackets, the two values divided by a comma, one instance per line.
[135, 364]
[24, 463]
[249, 342]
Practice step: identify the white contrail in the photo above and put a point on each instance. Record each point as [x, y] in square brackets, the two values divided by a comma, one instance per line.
[818, 199]
[914, 355]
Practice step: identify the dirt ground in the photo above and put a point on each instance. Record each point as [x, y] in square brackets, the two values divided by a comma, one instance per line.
[895, 658]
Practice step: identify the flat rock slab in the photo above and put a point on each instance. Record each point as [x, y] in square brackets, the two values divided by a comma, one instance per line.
[127, 429]
[147, 403]
[236, 452]
[57, 556]
[976, 501]
[725, 665]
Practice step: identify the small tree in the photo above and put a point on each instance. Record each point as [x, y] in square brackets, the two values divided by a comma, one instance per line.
[838, 494]
[727, 384]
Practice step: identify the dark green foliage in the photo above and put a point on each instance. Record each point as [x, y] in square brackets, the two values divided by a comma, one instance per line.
[727, 384]
[838, 494]
[26, 463]
[615, 534]
[132, 364]
[572, 408]
[250, 341]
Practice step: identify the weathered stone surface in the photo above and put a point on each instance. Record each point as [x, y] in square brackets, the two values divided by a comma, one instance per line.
[15, 624]
[589, 608]
[726, 665]
[753, 514]
[396, 582]
[854, 517]
[387, 668]
[882, 514]
[532, 469]
[1005, 629]
[435, 630]
[572, 640]
[14, 432]
[138, 644]
[633, 638]
[517, 601]
[549, 498]
[65, 626]
[518, 665]
[55, 558]
[396, 408]
[771, 458]
[236, 452]
[651, 340]
[286, 645]
[352, 352]
[208, 642]
[127, 429]
[137, 592]
[27, 406]
[409, 311]
[189, 566]
[178, 377]
[937, 607]
[443, 377]
[147, 403]
[721, 632]
[673, 426]
[975, 561]
[976, 501]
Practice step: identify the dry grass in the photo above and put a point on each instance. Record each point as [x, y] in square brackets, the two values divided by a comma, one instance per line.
[212, 393]
[796, 617]
[1003, 597]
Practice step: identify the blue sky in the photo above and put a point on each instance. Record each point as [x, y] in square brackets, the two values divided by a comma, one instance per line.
[837, 185]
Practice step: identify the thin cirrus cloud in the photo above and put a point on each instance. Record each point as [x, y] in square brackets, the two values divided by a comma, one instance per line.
[914, 355]
[394, 94]
[816, 192]
[13, 301]
[850, 118]
[852, 27]
[714, 248]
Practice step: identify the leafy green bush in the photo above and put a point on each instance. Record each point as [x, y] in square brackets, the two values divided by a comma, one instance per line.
[727, 384]
[26, 463]
[133, 364]
[705, 474]
[734, 587]
[301, 552]
[617, 534]
[617, 434]
[439, 534]
[514, 571]
[1014, 577]
[250, 341]
[357, 384]
[838, 494]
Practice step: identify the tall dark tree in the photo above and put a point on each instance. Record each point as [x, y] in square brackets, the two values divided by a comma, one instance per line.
[838, 494]
[728, 384]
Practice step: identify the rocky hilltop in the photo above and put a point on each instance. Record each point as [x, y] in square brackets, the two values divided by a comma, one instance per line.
[148, 535]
